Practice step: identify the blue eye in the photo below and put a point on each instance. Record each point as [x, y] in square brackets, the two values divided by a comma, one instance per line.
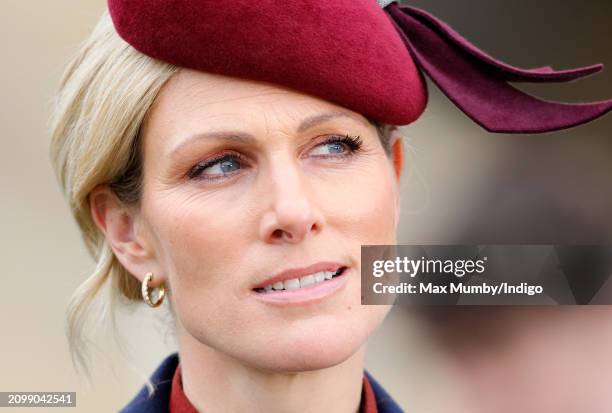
[333, 147]
[340, 146]
[219, 167]
[226, 165]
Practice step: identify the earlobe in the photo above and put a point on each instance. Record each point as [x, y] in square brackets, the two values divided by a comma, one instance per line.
[118, 224]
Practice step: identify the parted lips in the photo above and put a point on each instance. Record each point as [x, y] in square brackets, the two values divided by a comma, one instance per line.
[367, 57]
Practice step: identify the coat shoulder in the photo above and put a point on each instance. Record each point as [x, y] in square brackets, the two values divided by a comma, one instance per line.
[161, 379]
[384, 402]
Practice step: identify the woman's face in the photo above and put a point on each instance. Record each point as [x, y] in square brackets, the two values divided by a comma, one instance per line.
[239, 186]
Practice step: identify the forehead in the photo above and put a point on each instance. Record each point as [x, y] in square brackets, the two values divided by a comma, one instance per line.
[193, 101]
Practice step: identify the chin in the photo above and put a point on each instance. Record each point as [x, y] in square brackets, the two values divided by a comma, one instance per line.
[311, 346]
[296, 358]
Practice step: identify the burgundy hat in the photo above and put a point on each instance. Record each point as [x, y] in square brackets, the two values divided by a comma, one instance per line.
[366, 55]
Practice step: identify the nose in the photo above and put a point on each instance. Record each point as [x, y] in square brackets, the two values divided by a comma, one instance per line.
[291, 212]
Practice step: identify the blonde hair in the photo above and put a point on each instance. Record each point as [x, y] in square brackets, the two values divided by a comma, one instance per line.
[103, 99]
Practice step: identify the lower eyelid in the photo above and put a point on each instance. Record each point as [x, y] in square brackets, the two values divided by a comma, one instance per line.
[214, 177]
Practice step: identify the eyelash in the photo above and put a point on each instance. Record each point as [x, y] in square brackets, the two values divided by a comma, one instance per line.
[353, 144]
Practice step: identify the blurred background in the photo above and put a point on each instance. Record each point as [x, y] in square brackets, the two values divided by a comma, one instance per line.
[461, 185]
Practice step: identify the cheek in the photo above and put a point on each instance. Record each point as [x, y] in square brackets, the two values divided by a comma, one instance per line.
[202, 258]
[201, 253]
[368, 206]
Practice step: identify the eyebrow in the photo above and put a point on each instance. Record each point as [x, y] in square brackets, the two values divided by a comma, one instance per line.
[247, 138]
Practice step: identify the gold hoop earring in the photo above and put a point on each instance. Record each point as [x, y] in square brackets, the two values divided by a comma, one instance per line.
[146, 293]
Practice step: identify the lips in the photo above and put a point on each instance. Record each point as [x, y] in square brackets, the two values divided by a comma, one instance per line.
[289, 279]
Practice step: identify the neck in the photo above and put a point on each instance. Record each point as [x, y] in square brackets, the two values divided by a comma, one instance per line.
[215, 382]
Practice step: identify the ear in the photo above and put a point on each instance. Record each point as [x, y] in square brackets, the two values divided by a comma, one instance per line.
[120, 225]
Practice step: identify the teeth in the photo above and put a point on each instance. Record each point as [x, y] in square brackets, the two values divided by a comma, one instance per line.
[307, 280]
[292, 284]
[302, 282]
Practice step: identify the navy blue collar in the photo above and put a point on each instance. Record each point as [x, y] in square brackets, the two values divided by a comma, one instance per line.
[162, 380]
